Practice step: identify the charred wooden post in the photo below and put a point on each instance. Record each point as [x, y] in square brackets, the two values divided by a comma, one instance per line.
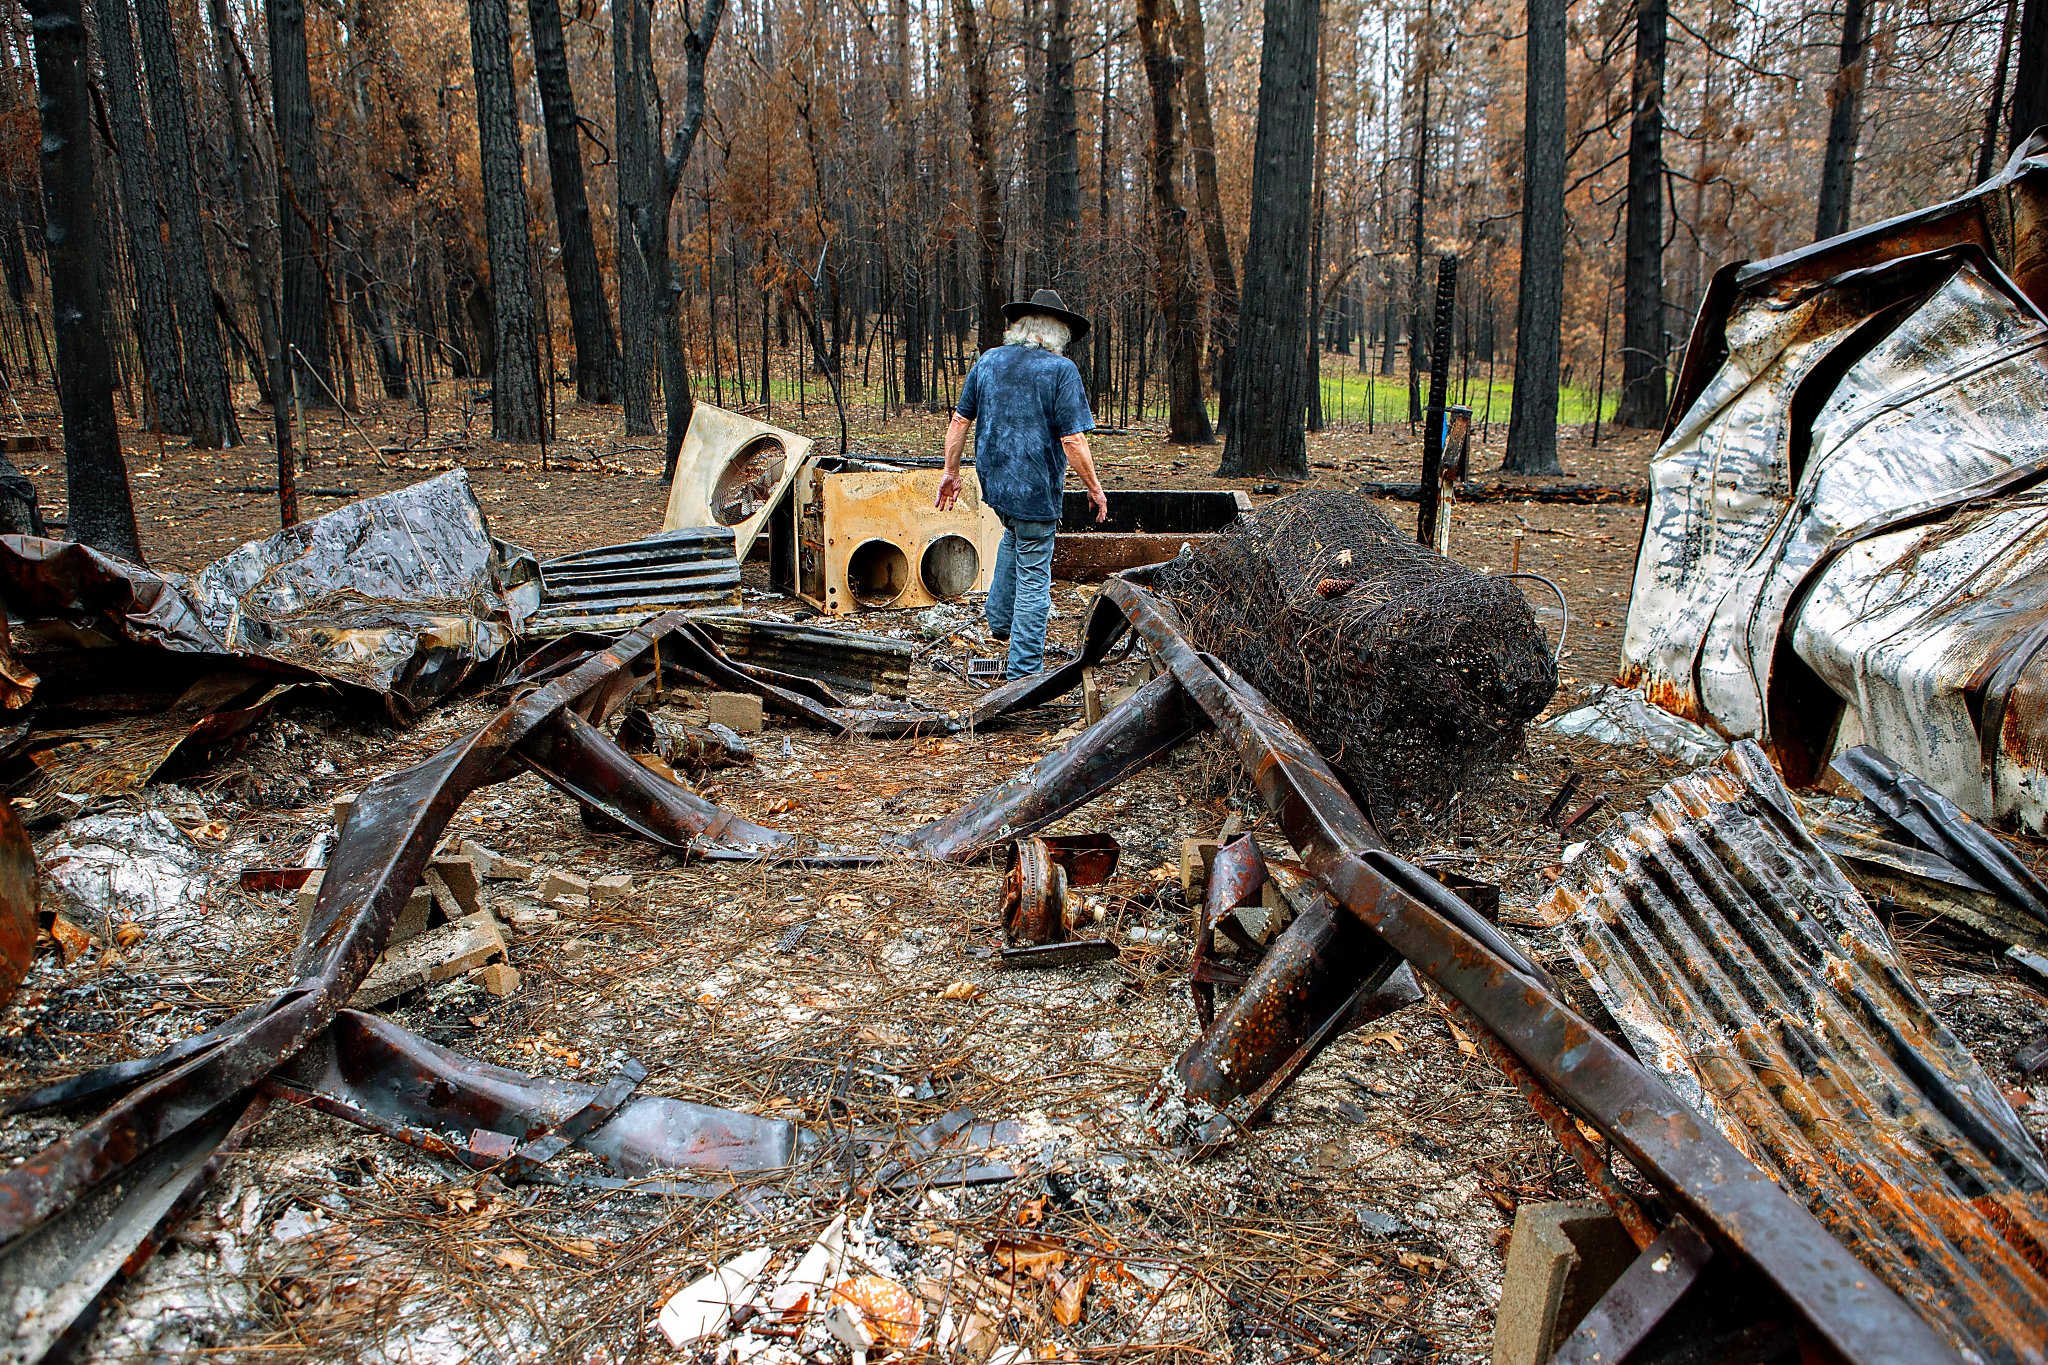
[1433, 417]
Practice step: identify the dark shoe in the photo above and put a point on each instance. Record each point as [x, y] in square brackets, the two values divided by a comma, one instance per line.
[1003, 638]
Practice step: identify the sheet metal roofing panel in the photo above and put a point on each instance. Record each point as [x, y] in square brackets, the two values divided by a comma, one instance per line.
[1742, 965]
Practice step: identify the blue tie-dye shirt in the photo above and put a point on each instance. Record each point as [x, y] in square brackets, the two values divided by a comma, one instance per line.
[1022, 401]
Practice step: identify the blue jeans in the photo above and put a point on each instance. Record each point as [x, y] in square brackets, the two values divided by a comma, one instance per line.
[1020, 598]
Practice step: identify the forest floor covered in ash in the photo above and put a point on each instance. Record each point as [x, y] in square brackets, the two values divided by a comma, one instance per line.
[1365, 1220]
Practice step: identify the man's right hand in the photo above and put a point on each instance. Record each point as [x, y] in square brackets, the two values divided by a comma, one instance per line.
[949, 491]
[1099, 500]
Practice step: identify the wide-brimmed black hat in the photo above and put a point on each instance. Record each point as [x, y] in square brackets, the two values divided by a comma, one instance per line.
[1048, 302]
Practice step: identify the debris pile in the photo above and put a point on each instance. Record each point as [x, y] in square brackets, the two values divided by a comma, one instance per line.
[1412, 670]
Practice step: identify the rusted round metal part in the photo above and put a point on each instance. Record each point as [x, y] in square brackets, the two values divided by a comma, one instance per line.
[1034, 895]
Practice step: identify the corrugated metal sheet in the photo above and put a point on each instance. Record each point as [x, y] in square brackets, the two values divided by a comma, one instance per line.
[617, 587]
[1741, 964]
[1844, 524]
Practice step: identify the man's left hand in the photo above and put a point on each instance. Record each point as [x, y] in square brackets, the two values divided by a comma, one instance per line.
[949, 491]
[1099, 500]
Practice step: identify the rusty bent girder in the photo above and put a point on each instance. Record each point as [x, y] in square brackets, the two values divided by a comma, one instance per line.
[1403, 911]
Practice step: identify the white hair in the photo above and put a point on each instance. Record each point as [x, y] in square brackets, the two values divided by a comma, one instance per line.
[1040, 330]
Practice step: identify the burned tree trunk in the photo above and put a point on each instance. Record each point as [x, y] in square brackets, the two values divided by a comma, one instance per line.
[1642, 325]
[1061, 135]
[209, 402]
[631, 153]
[665, 174]
[261, 242]
[515, 379]
[1187, 416]
[1539, 303]
[96, 478]
[1845, 112]
[981, 150]
[2029, 108]
[303, 317]
[590, 318]
[156, 327]
[1269, 381]
[1191, 41]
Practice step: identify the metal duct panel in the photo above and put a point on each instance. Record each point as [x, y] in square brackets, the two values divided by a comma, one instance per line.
[1742, 965]
[618, 586]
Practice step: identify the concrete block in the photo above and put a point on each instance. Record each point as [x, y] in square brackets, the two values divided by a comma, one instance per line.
[499, 979]
[1197, 856]
[309, 893]
[1561, 1259]
[610, 890]
[451, 950]
[739, 711]
[415, 919]
[528, 916]
[558, 884]
[342, 806]
[460, 877]
[493, 866]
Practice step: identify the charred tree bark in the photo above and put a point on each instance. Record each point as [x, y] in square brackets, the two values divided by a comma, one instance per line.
[1539, 304]
[1187, 416]
[96, 478]
[1415, 242]
[209, 403]
[257, 229]
[981, 150]
[1845, 116]
[515, 380]
[1642, 309]
[1269, 382]
[1192, 42]
[590, 317]
[665, 174]
[156, 326]
[1061, 134]
[2029, 108]
[632, 143]
[303, 317]
[1994, 115]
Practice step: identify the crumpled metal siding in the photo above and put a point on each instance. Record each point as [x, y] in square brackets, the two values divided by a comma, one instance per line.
[1858, 535]
[1720, 489]
[1742, 965]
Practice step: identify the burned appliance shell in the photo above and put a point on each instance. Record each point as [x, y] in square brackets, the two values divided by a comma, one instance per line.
[732, 471]
[861, 534]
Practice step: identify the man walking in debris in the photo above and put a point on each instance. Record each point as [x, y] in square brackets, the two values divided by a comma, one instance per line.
[1030, 415]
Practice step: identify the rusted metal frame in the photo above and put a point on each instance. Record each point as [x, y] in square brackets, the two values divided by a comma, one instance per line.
[597, 1111]
[373, 1072]
[1591, 1160]
[1936, 824]
[1236, 875]
[1643, 1297]
[586, 763]
[70, 1267]
[1706, 1177]
[376, 862]
[1153, 720]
